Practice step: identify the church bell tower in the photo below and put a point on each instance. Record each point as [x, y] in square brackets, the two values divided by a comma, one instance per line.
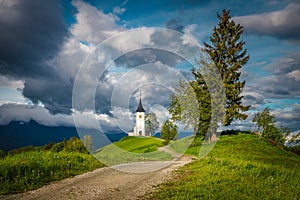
[139, 129]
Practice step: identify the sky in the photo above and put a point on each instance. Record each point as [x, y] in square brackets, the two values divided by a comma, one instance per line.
[46, 47]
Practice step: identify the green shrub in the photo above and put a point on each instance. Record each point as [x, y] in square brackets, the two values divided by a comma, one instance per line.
[22, 150]
[48, 146]
[273, 135]
[58, 147]
[169, 131]
[2, 154]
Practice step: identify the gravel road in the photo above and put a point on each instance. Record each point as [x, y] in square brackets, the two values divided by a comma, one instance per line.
[108, 182]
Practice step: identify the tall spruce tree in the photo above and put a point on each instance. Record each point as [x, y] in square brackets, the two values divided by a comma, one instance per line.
[228, 53]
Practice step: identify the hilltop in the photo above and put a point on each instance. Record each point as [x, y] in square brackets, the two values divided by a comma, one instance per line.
[238, 167]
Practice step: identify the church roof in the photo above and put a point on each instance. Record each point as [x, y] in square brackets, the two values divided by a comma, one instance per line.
[140, 107]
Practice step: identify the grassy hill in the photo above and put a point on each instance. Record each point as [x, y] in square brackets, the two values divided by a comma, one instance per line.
[238, 167]
[31, 167]
[132, 149]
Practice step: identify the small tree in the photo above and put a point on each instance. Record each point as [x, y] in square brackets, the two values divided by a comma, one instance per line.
[88, 142]
[184, 105]
[151, 124]
[263, 119]
[169, 131]
[266, 124]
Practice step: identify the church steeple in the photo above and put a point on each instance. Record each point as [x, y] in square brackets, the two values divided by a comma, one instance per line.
[140, 107]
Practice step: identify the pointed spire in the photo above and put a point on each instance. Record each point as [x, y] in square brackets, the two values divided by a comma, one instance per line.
[140, 107]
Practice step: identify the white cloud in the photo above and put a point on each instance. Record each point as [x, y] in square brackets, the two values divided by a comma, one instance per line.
[294, 75]
[21, 112]
[123, 118]
[93, 25]
[161, 113]
[283, 23]
[253, 97]
[118, 10]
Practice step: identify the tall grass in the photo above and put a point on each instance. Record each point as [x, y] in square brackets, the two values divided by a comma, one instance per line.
[21, 171]
[239, 167]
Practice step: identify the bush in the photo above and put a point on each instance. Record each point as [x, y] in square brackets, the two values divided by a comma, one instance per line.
[2, 154]
[273, 135]
[72, 145]
[169, 131]
[48, 146]
[58, 147]
[230, 132]
[22, 150]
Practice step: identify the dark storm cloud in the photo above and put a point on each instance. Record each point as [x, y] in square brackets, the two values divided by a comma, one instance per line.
[32, 31]
[54, 92]
[284, 24]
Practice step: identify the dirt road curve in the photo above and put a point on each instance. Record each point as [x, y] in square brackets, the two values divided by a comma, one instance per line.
[104, 183]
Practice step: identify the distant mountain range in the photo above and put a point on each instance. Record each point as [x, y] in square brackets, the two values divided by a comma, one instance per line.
[19, 134]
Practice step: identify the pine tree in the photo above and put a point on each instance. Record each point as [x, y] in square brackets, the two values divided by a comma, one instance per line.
[228, 54]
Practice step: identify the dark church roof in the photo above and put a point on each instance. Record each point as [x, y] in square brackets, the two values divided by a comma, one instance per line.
[140, 107]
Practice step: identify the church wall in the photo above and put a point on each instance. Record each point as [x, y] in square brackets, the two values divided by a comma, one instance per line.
[140, 124]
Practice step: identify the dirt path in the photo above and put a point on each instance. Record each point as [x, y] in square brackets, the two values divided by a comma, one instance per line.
[107, 183]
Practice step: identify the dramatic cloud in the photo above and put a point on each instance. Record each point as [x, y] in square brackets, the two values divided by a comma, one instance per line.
[41, 55]
[35, 48]
[283, 81]
[19, 112]
[253, 96]
[143, 56]
[289, 117]
[9, 82]
[283, 24]
[93, 25]
[31, 32]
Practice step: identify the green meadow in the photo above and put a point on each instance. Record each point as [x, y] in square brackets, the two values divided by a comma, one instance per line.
[238, 167]
[132, 149]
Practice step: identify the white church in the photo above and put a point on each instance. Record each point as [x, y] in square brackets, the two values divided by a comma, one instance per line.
[139, 128]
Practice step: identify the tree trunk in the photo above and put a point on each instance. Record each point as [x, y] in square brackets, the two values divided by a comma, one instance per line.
[195, 131]
[213, 135]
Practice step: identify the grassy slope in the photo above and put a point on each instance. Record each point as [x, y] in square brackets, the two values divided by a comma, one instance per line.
[25, 171]
[238, 167]
[31, 170]
[132, 149]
